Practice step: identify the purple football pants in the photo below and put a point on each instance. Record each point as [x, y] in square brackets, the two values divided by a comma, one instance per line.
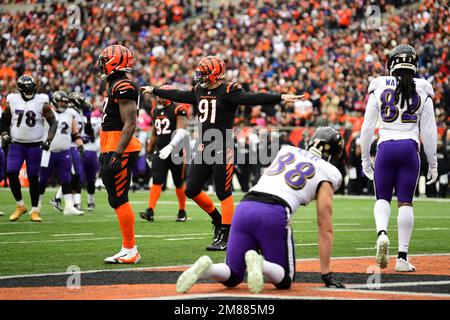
[397, 166]
[18, 153]
[90, 166]
[262, 227]
[58, 161]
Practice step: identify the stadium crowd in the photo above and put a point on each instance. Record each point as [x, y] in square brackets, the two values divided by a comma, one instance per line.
[329, 50]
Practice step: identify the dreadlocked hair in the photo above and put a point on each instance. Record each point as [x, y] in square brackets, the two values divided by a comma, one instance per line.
[405, 86]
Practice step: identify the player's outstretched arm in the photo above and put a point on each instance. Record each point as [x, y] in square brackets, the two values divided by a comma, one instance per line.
[182, 96]
[50, 117]
[256, 98]
[428, 131]
[325, 232]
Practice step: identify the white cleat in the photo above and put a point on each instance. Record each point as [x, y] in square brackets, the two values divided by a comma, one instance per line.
[125, 256]
[72, 211]
[2, 214]
[255, 278]
[382, 251]
[403, 265]
[189, 277]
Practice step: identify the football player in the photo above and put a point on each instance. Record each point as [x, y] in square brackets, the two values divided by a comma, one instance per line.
[215, 102]
[167, 118]
[58, 155]
[2, 163]
[262, 221]
[119, 147]
[22, 129]
[403, 105]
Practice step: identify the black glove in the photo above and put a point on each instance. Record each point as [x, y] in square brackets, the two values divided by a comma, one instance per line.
[46, 145]
[149, 159]
[115, 162]
[330, 282]
[6, 140]
[81, 150]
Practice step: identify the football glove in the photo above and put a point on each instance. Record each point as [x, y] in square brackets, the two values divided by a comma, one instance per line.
[147, 89]
[81, 150]
[115, 162]
[291, 97]
[367, 167]
[165, 152]
[149, 159]
[46, 145]
[6, 140]
[432, 175]
[330, 282]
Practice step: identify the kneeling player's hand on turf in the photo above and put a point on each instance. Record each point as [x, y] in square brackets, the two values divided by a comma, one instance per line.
[432, 175]
[149, 159]
[367, 167]
[115, 162]
[166, 151]
[147, 89]
[330, 282]
[46, 145]
[291, 97]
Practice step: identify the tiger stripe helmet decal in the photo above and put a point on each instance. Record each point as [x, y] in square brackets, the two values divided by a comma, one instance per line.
[114, 58]
[209, 70]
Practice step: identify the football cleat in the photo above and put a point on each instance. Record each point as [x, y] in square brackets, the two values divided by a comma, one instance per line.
[91, 206]
[402, 265]
[72, 211]
[78, 206]
[56, 203]
[189, 277]
[2, 214]
[220, 243]
[147, 215]
[35, 216]
[125, 256]
[182, 217]
[382, 250]
[20, 210]
[255, 278]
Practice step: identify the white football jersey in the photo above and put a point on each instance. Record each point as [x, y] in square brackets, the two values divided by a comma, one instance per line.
[396, 123]
[80, 121]
[63, 137]
[27, 124]
[294, 176]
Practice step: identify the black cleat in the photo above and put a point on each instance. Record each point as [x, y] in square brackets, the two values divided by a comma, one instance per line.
[91, 206]
[220, 243]
[147, 215]
[182, 217]
[56, 203]
[78, 206]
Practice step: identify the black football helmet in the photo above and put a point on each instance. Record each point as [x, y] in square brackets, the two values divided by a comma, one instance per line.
[59, 101]
[26, 86]
[403, 57]
[326, 143]
[77, 101]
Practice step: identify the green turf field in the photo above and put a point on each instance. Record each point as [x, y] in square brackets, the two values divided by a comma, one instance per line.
[59, 241]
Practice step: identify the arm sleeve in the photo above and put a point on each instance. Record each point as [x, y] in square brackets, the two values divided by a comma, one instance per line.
[428, 131]
[182, 96]
[368, 127]
[252, 99]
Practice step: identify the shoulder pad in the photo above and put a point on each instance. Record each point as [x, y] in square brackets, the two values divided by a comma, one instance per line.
[422, 84]
[181, 110]
[333, 174]
[233, 86]
[125, 89]
[373, 85]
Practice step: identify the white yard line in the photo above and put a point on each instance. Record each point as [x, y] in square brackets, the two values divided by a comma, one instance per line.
[71, 234]
[305, 244]
[179, 239]
[397, 293]
[13, 233]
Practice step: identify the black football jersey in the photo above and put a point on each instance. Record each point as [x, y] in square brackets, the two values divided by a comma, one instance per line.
[165, 122]
[120, 87]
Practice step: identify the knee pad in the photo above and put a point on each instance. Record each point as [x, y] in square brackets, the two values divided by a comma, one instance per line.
[285, 283]
[222, 195]
[115, 202]
[191, 193]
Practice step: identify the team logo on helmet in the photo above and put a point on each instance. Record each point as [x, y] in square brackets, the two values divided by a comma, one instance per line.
[403, 57]
[209, 70]
[326, 143]
[112, 59]
[26, 86]
[59, 101]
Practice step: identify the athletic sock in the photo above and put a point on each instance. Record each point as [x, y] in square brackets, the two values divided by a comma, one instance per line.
[405, 223]
[59, 193]
[220, 272]
[126, 221]
[381, 231]
[382, 212]
[205, 202]
[20, 203]
[216, 217]
[91, 198]
[273, 272]
[227, 207]
[181, 197]
[154, 194]
[402, 255]
[68, 200]
[35, 209]
[77, 198]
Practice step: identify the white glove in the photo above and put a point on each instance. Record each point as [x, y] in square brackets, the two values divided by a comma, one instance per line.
[367, 167]
[166, 151]
[291, 97]
[432, 175]
[147, 89]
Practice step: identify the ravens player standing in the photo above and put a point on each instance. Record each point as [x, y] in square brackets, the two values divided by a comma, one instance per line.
[167, 118]
[216, 102]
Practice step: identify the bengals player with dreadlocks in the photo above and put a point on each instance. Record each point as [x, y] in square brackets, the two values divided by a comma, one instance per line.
[216, 102]
[119, 147]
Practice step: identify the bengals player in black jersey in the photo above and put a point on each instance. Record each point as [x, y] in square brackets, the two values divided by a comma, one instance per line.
[215, 102]
[119, 147]
[168, 118]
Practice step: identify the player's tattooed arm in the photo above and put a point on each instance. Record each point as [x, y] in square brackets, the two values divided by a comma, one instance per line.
[50, 117]
[128, 113]
[181, 96]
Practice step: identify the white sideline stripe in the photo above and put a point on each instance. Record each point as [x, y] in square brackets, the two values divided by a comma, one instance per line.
[188, 265]
[12, 233]
[401, 284]
[373, 248]
[398, 293]
[178, 239]
[71, 234]
[243, 296]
